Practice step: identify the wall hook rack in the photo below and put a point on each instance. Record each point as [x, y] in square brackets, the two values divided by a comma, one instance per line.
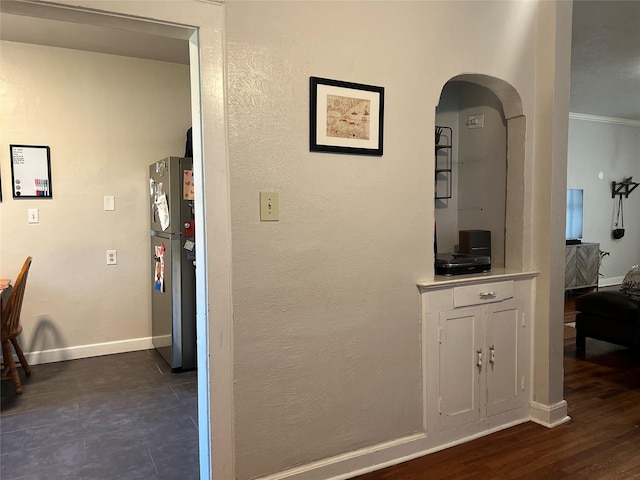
[624, 187]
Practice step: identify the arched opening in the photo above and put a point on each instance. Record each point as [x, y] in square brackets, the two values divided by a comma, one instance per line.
[486, 179]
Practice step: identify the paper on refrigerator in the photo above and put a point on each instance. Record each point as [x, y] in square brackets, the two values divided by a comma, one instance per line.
[187, 185]
[162, 207]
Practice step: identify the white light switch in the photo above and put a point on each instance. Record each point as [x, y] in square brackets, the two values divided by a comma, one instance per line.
[269, 206]
[109, 202]
[34, 217]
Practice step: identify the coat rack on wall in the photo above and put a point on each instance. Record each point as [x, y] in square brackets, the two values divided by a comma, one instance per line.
[625, 187]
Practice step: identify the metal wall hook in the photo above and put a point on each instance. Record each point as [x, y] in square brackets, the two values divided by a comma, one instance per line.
[623, 188]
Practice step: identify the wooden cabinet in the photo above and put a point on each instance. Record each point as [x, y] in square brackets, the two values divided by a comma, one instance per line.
[581, 265]
[478, 366]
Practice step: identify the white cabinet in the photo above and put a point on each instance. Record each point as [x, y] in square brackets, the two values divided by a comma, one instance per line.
[459, 382]
[477, 351]
[506, 371]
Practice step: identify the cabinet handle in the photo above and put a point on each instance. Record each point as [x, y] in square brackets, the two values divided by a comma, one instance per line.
[492, 354]
[479, 358]
[487, 295]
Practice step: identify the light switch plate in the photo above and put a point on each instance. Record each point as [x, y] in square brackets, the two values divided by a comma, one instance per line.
[109, 203]
[269, 206]
[34, 216]
[475, 121]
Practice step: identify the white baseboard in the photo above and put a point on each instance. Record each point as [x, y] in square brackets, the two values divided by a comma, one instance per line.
[85, 351]
[350, 464]
[549, 415]
[369, 459]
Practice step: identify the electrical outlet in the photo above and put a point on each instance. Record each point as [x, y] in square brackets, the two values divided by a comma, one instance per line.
[112, 257]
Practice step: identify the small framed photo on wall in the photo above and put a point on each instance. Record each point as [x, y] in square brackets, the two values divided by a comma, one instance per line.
[346, 117]
[31, 171]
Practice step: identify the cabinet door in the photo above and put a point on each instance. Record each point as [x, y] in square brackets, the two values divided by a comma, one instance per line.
[587, 264]
[570, 267]
[459, 382]
[505, 350]
[581, 265]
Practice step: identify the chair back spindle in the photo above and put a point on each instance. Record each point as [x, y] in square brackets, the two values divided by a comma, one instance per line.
[10, 329]
[11, 312]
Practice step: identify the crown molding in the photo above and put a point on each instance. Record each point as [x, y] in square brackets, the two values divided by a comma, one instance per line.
[596, 118]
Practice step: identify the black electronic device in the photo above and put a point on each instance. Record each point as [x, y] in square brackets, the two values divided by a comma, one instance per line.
[460, 263]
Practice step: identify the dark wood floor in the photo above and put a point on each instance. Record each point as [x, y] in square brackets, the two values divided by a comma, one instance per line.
[602, 441]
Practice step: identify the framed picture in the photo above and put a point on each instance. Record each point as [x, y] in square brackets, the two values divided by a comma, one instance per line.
[30, 171]
[345, 117]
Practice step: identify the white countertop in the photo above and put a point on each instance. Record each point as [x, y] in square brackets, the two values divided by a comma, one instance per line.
[440, 281]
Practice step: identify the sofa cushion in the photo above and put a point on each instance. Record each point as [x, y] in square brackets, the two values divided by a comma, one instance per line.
[614, 305]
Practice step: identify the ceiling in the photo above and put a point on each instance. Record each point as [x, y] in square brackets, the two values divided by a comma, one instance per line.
[43, 24]
[605, 58]
[605, 54]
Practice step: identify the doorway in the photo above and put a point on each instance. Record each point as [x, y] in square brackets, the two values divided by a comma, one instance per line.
[126, 26]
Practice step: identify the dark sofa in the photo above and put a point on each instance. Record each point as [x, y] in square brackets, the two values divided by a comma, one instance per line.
[610, 316]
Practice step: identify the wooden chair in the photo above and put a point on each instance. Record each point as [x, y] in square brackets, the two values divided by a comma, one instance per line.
[11, 329]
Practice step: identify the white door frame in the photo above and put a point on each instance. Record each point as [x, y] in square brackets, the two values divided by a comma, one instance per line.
[201, 23]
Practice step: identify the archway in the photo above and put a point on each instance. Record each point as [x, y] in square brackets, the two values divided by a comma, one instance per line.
[509, 141]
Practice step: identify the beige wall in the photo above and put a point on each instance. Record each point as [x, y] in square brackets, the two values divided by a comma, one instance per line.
[548, 207]
[326, 312]
[105, 118]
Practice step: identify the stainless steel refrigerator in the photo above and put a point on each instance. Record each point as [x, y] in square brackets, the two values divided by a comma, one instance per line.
[173, 283]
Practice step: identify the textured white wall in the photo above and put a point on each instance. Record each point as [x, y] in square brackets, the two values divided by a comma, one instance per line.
[326, 311]
[105, 118]
[548, 171]
[613, 149]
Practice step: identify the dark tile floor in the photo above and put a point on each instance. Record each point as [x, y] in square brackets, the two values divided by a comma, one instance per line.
[123, 416]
